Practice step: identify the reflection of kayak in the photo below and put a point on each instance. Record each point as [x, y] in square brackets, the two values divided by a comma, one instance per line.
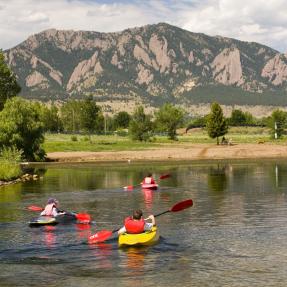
[50, 220]
[43, 220]
[149, 186]
[145, 238]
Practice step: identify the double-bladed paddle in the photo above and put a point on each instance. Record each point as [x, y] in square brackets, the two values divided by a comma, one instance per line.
[106, 234]
[131, 187]
[82, 217]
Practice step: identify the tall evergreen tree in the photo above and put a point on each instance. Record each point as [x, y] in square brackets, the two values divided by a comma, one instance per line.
[8, 84]
[216, 123]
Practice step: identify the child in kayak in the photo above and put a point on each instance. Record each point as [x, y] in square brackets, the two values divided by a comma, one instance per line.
[51, 209]
[148, 179]
[137, 224]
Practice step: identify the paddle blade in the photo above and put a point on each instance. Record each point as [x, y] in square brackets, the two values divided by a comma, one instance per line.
[164, 176]
[35, 208]
[182, 205]
[100, 236]
[129, 187]
[83, 217]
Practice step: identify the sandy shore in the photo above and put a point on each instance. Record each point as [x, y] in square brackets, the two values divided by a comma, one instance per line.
[186, 152]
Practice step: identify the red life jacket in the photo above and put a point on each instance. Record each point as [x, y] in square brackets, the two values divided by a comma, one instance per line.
[134, 226]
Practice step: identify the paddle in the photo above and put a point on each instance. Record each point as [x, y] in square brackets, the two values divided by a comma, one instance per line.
[106, 234]
[131, 187]
[82, 217]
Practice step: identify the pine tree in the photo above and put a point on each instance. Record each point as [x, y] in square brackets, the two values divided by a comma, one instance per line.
[216, 123]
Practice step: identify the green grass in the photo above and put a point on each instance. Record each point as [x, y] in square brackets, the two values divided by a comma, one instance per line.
[9, 170]
[64, 142]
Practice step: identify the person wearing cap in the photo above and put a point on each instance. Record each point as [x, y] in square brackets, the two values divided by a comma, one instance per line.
[51, 209]
[137, 224]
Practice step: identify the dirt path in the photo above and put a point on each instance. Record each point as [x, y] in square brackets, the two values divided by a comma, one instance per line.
[187, 152]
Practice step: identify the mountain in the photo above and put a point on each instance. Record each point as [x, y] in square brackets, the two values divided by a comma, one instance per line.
[152, 64]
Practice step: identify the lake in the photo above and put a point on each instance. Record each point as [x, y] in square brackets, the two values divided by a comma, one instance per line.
[234, 235]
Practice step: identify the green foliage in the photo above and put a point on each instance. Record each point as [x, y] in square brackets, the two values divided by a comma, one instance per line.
[9, 170]
[216, 123]
[20, 126]
[197, 123]
[11, 154]
[89, 113]
[70, 116]
[122, 120]
[74, 138]
[50, 118]
[168, 119]
[239, 118]
[277, 123]
[140, 127]
[8, 84]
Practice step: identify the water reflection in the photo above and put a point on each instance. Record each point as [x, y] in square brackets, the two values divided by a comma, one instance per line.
[237, 223]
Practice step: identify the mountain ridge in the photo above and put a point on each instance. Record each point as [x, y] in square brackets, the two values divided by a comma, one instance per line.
[151, 64]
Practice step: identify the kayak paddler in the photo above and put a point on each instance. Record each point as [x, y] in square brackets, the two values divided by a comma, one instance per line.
[148, 179]
[137, 224]
[51, 208]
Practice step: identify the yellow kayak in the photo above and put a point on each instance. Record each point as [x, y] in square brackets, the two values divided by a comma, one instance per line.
[145, 238]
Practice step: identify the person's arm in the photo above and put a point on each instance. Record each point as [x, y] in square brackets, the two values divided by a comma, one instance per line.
[122, 230]
[151, 218]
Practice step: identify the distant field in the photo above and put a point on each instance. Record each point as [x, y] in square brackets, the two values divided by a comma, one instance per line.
[64, 142]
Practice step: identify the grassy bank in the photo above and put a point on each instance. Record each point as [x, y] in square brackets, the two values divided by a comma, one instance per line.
[9, 170]
[237, 135]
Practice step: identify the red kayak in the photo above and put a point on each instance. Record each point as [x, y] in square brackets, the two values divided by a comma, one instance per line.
[153, 186]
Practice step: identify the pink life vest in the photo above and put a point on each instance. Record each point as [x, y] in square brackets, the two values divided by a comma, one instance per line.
[148, 180]
[48, 211]
[134, 226]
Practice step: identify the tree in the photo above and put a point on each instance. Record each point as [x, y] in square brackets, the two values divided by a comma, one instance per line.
[140, 127]
[239, 118]
[70, 116]
[277, 123]
[216, 123]
[89, 114]
[8, 84]
[168, 119]
[21, 127]
[122, 120]
[50, 118]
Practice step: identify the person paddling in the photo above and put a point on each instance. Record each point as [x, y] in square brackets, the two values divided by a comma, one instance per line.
[51, 209]
[137, 224]
[148, 179]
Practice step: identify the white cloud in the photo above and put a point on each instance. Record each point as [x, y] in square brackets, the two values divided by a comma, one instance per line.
[257, 20]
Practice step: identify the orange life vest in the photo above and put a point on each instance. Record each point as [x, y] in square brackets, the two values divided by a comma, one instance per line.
[134, 226]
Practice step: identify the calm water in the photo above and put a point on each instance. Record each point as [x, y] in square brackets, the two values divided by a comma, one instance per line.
[234, 235]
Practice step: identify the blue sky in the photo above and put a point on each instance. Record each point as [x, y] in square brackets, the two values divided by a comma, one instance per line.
[248, 20]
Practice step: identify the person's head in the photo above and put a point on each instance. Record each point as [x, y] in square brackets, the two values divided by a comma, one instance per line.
[137, 214]
[53, 201]
[149, 174]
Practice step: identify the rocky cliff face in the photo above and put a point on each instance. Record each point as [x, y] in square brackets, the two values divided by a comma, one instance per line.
[151, 64]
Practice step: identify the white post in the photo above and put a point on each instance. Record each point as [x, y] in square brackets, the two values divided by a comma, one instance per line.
[275, 127]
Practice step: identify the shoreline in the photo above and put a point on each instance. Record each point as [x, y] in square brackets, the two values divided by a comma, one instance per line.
[186, 152]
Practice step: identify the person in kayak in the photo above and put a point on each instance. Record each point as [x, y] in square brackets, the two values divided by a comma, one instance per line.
[148, 179]
[51, 208]
[137, 224]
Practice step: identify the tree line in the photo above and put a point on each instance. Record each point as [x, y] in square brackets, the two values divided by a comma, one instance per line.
[23, 123]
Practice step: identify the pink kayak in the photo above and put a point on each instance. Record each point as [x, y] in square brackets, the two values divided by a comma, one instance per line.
[149, 186]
